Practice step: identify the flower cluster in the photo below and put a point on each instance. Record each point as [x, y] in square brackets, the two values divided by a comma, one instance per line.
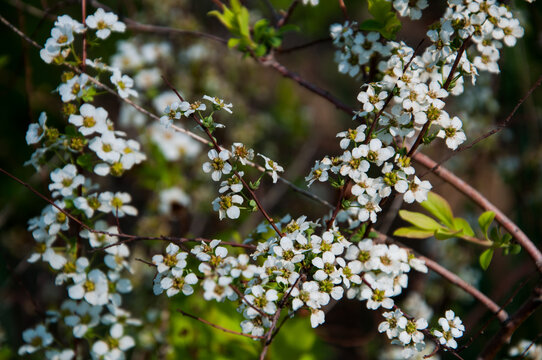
[90, 144]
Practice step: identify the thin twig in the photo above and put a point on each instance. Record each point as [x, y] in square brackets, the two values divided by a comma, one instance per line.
[303, 46]
[344, 10]
[288, 13]
[218, 326]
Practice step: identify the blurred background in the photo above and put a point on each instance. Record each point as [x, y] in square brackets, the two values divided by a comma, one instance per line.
[277, 117]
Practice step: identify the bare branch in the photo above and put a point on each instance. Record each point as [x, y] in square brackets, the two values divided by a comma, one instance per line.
[218, 326]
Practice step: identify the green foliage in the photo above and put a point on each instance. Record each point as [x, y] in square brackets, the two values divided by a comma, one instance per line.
[260, 40]
[384, 20]
[424, 227]
[485, 258]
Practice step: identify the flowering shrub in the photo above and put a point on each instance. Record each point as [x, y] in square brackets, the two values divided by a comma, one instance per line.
[298, 262]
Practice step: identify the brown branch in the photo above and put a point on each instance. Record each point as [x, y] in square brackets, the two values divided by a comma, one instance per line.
[288, 13]
[485, 204]
[344, 9]
[274, 64]
[515, 321]
[218, 326]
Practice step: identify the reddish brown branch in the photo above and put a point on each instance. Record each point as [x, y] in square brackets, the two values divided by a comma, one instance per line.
[288, 13]
[218, 326]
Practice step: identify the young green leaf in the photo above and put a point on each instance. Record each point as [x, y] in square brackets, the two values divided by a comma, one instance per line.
[485, 220]
[419, 220]
[413, 232]
[463, 226]
[440, 208]
[485, 258]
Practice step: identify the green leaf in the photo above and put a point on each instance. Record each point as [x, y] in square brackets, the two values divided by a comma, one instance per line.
[413, 232]
[440, 208]
[463, 226]
[515, 249]
[485, 220]
[419, 220]
[385, 19]
[233, 42]
[85, 161]
[445, 234]
[485, 258]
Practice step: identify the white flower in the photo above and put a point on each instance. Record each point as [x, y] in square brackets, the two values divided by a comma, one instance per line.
[116, 203]
[174, 258]
[93, 288]
[391, 326]
[36, 132]
[206, 252]
[410, 330]
[318, 317]
[241, 153]
[285, 250]
[74, 88]
[373, 152]
[36, 339]
[272, 166]
[83, 318]
[104, 23]
[174, 111]
[66, 354]
[319, 171]
[371, 100]
[115, 347]
[196, 106]
[218, 289]
[107, 147]
[262, 299]
[218, 165]
[352, 135]
[412, 9]
[226, 205]
[62, 35]
[219, 103]
[232, 184]
[91, 120]
[452, 132]
[175, 282]
[124, 84]
[65, 181]
[415, 190]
